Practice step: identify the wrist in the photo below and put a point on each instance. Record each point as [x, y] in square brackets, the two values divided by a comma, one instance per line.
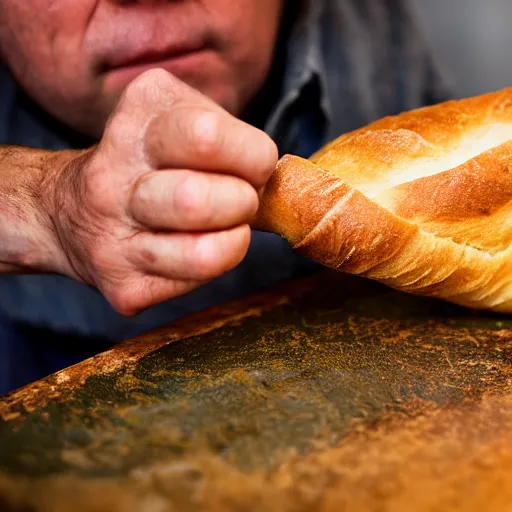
[29, 242]
[61, 201]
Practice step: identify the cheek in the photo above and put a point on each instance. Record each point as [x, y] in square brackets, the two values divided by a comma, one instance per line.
[45, 51]
[251, 29]
[252, 25]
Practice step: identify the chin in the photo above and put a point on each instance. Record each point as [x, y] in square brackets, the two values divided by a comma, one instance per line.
[204, 71]
[221, 92]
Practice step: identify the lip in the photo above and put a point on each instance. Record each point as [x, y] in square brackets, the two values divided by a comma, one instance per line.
[181, 63]
[151, 57]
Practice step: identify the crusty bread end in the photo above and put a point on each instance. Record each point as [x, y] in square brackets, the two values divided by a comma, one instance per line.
[421, 201]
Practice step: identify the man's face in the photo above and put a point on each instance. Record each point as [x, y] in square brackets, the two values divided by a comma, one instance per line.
[75, 57]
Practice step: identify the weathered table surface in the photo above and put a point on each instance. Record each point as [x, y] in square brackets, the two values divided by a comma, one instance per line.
[332, 393]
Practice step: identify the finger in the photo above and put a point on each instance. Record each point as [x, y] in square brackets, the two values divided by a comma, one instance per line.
[195, 137]
[142, 292]
[192, 201]
[156, 90]
[190, 256]
[146, 97]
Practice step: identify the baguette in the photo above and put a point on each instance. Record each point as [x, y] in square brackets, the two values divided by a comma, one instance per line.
[420, 201]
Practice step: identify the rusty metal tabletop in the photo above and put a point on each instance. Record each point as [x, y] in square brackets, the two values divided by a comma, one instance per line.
[327, 394]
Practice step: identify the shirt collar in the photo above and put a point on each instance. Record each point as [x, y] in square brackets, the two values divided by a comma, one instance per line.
[304, 63]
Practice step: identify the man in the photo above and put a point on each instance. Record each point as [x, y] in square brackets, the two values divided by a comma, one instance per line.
[187, 101]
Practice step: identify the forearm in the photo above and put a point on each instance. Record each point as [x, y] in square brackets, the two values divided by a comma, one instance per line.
[28, 242]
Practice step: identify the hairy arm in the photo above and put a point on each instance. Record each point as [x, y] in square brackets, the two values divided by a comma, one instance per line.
[159, 207]
[28, 241]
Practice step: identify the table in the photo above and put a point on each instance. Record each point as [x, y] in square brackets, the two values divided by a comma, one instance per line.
[325, 394]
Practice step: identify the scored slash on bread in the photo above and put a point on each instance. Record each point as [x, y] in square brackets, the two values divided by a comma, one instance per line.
[421, 202]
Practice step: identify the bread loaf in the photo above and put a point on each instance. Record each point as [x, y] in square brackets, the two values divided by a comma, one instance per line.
[421, 201]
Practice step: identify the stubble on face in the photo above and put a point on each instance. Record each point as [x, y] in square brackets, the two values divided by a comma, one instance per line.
[75, 58]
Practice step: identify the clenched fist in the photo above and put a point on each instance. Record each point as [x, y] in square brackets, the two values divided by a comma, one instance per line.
[162, 204]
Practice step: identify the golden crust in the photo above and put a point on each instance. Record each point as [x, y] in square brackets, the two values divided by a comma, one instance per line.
[421, 201]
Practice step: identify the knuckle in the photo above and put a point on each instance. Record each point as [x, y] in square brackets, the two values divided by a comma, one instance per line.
[147, 84]
[143, 194]
[191, 198]
[206, 133]
[207, 258]
[142, 99]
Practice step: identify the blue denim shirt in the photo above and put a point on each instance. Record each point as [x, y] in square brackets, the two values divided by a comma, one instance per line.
[347, 62]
